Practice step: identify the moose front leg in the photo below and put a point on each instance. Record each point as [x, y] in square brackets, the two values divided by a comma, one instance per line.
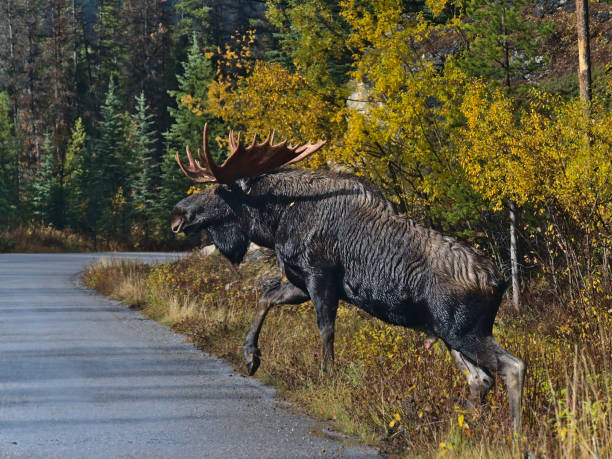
[323, 290]
[283, 293]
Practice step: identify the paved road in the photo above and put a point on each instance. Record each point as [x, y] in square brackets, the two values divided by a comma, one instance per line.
[82, 376]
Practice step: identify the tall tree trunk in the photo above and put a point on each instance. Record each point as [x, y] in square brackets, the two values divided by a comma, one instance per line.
[512, 212]
[12, 72]
[584, 50]
[75, 48]
[506, 49]
[514, 259]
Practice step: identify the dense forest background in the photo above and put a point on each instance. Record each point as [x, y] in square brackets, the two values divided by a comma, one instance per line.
[465, 113]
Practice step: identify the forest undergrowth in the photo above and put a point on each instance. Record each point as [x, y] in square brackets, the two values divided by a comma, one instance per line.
[47, 239]
[387, 389]
[44, 239]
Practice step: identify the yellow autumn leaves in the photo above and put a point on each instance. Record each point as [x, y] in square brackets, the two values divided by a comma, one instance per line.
[550, 151]
[437, 142]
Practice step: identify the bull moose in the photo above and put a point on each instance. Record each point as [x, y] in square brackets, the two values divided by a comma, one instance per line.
[336, 237]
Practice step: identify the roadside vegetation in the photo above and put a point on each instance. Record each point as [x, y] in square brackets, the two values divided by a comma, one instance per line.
[41, 239]
[387, 388]
[47, 239]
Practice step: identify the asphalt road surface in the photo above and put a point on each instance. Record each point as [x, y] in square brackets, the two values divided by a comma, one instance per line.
[83, 376]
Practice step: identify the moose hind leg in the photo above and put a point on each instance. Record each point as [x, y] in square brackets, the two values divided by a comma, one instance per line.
[494, 358]
[479, 379]
[282, 293]
[512, 369]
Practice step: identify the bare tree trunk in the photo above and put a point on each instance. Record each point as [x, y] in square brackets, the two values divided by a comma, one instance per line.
[513, 247]
[75, 48]
[506, 50]
[514, 259]
[584, 50]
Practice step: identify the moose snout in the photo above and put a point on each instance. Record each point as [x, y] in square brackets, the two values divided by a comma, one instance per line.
[176, 224]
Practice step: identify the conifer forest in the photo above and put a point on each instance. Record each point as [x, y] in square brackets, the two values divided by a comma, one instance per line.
[462, 113]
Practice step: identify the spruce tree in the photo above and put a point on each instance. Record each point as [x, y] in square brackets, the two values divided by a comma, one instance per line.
[76, 176]
[112, 55]
[191, 96]
[143, 135]
[45, 189]
[191, 18]
[188, 121]
[502, 45]
[8, 164]
[109, 168]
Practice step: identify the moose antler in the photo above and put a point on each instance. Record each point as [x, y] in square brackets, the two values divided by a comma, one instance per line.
[243, 161]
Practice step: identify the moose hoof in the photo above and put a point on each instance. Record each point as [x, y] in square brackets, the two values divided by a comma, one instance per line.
[252, 364]
[251, 358]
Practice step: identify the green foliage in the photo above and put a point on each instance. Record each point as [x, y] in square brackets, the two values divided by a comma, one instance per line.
[191, 98]
[313, 36]
[45, 189]
[189, 118]
[502, 45]
[192, 18]
[108, 168]
[76, 175]
[8, 164]
[142, 135]
[110, 28]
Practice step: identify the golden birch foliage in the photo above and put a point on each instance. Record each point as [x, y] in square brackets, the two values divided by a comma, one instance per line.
[270, 97]
[399, 134]
[257, 97]
[541, 155]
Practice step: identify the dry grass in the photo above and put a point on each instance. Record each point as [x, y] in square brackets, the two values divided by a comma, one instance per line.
[42, 239]
[46, 239]
[387, 389]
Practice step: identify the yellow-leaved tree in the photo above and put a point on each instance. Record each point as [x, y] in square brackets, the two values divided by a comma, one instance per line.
[542, 157]
[404, 111]
[269, 97]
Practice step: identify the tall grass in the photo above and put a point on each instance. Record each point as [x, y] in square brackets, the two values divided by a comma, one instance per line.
[386, 388]
[42, 239]
[47, 239]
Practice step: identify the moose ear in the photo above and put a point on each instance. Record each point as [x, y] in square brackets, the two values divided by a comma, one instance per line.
[230, 241]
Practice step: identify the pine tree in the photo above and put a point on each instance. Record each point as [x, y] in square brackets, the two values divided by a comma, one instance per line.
[8, 164]
[112, 54]
[109, 167]
[191, 17]
[76, 179]
[143, 135]
[502, 45]
[191, 96]
[189, 117]
[45, 188]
